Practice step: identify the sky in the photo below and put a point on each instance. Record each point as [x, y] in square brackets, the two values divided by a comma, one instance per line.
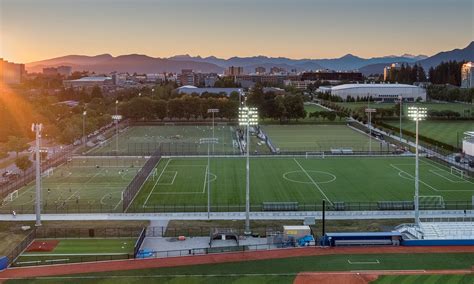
[32, 30]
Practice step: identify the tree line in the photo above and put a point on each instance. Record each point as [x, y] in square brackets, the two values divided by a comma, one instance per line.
[446, 73]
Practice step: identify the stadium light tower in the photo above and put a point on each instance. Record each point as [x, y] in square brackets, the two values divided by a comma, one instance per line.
[84, 138]
[369, 112]
[400, 99]
[213, 111]
[37, 128]
[248, 116]
[116, 118]
[208, 141]
[417, 114]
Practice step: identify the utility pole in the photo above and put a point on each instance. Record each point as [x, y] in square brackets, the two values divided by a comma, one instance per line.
[37, 128]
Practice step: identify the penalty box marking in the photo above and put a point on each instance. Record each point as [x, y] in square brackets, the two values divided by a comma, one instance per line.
[363, 262]
[429, 186]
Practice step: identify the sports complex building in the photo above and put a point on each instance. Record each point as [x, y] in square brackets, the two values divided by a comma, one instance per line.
[379, 92]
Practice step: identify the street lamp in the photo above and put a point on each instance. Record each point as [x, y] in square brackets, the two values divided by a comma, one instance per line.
[213, 110]
[84, 138]
[37, 128]
[417, 114]
[208, 141]
[248, 117]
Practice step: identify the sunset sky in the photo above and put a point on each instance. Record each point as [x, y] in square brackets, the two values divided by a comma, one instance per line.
[32, 30]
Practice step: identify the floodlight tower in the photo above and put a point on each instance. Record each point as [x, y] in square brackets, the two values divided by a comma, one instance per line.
[208, 141]
[248, 116]
[417, 114]
[84, 138]
[37, 128]
[116, 118]
[213, 111]
[400, 98]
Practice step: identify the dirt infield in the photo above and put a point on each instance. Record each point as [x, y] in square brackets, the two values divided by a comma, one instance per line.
[120, 265]
[41, 246]
[363, 277]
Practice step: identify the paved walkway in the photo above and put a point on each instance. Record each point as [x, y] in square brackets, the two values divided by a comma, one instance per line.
[297, 215]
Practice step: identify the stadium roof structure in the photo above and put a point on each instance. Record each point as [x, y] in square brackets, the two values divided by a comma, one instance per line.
[351, 86]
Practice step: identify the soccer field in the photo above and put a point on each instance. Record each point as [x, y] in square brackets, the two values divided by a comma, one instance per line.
[88, 184]
[320, 138]
[181, 183]
[172, 138]
[445, 131]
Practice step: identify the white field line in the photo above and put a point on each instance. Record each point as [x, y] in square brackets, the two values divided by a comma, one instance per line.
[363, 262]
[466, 179]
[151, 191]
[312, 180]
[436, 172]
[172, 181]
[429, 186]
[205, 178]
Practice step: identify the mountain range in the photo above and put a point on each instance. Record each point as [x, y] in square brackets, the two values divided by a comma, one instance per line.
[131, 63]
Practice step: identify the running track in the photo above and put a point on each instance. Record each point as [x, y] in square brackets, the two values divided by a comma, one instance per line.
[120, 265]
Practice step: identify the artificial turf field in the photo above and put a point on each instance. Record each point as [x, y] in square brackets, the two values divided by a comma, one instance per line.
[449, 132]
[285, 270]
[137, 139]
[320, 138]
[80, 250]
[83, 183]
[183, 181]
[463, 109]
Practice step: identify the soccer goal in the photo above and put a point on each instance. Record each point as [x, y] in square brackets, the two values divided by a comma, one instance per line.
[431, 202]
[154, 174]
[47, 173]
[11, 196]
[319, 155]
[457, 172]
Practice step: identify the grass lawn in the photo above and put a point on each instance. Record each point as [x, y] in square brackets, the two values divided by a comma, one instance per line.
[319, 138]
[182, 182]
[92, 184]
[139, 139]
[463, 109]
[272, 270]
[445, 131]
[79, 250]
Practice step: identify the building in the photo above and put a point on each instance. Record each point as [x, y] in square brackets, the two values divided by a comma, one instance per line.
[260, 70]
[11, 73]
[186, 78]
[379, 92]
[195, 90]
[388, 71]
[297, 84]
[89, 82]
[234, 71]
[467, 75]
[468, 143]
[277, 70]
[64, 71]
[332, 76]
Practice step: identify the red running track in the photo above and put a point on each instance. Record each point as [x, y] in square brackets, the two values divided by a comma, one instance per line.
[133, 264]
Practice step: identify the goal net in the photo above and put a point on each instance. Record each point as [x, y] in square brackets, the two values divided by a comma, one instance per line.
[457, 172]
[431, 202]
[154, 174]
[11, 196]
[315, 155]
[47, 173]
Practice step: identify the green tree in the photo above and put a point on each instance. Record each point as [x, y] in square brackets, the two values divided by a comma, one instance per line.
[23, 163]
[17, 144]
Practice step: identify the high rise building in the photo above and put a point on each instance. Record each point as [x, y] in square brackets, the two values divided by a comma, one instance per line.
[388, 70]
[11, 73]
[186, 78]
[467, 75]
[234, 71]
[260, 70]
